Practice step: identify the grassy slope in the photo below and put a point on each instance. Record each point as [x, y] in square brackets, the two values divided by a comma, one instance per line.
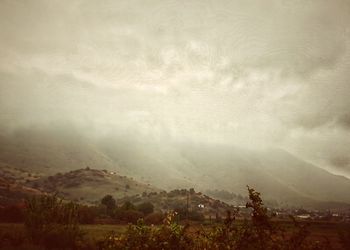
[90, 185]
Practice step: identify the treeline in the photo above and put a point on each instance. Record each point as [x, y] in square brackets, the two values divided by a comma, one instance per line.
[106, 213]
[110, 212]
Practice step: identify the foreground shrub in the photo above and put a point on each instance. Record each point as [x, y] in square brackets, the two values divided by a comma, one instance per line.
[155, 218]
[257, 233]
[169, 236]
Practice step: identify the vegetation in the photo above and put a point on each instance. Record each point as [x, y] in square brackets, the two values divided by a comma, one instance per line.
[109, 202]
[146, 208]
[86, 185]
[51, 223]
[258, 233]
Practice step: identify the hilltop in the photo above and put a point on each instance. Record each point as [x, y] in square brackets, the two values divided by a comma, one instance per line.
[90, 185]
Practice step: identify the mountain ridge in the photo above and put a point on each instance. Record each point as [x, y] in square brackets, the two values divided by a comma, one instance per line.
[168, 165]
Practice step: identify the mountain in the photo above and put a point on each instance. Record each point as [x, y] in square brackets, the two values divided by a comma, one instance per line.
[49, 151]
[167, 164]
[277, 174]
[274, 172]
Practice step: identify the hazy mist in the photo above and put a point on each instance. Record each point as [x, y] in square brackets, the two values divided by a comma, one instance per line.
[252, 74]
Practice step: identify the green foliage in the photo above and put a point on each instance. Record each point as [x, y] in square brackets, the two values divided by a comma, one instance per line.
[154, 218]
[169, 236]
[52, 223]
[127, 215]
[257, 233]
[128, 206]
[146, 208]
[109, 202]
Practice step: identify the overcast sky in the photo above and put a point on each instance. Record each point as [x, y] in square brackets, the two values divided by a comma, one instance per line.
[253, 73]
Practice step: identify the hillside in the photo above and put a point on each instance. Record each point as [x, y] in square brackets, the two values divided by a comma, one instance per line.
[14, 193]
[277, 174]
[90, 185]
[179, 200]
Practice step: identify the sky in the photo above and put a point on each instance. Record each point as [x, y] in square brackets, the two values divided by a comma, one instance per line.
[250, 73]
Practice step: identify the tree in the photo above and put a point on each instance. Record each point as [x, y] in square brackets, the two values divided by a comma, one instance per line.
[109, 202]
[259, 215]
[146, 208]
[128, 206]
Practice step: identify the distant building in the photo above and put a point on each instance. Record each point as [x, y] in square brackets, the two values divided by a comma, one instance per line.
[304, 216]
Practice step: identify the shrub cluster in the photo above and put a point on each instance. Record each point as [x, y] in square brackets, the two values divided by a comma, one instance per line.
[257, 233]
[127, 212]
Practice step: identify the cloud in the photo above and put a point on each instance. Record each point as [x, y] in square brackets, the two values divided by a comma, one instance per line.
[244, 72]
[344, 120]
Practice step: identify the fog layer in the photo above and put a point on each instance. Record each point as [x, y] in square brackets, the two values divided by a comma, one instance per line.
[249, 73]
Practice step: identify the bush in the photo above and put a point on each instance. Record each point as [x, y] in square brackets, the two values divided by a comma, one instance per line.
[129, 215]
[154, 218]
[87, 215]
[184, 214]
[142, 237]
[145, 208]
[128, 206]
